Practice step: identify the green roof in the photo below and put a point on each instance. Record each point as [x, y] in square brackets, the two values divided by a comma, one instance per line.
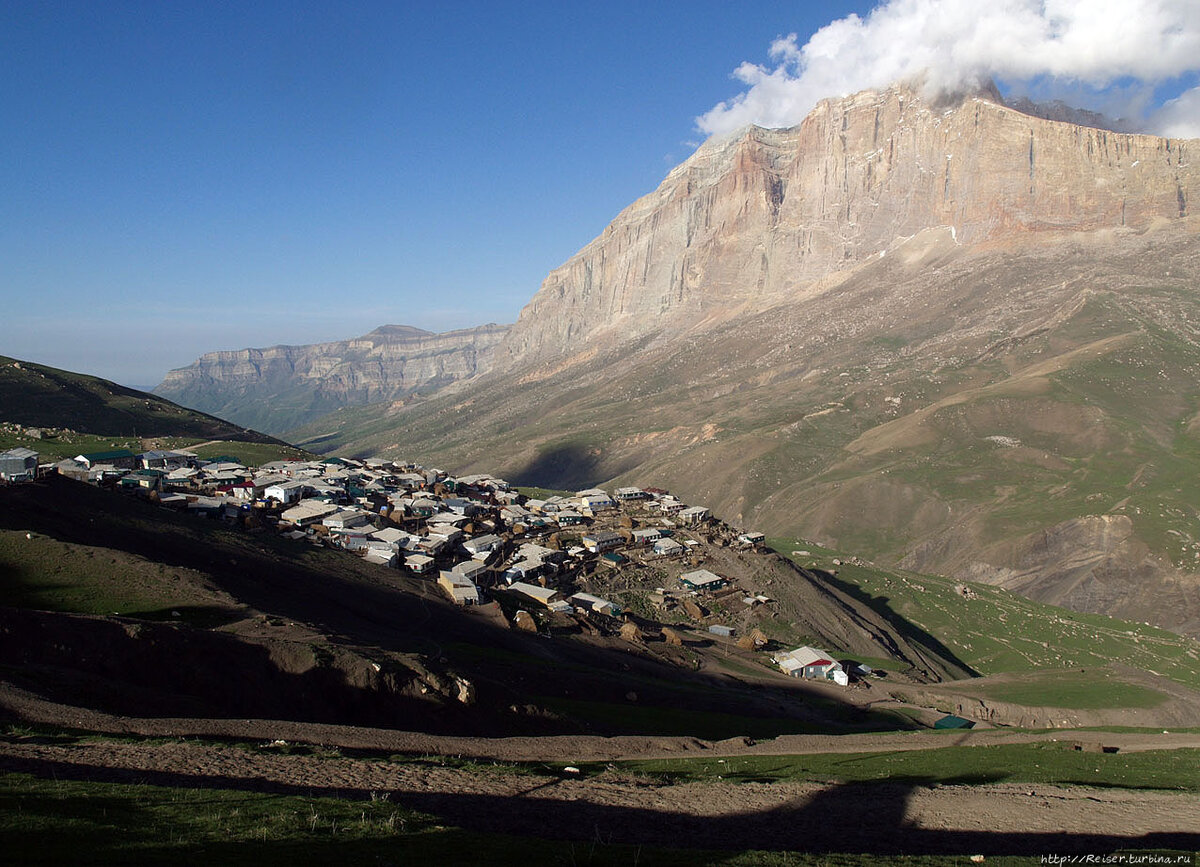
[953, 722]
[93, 457]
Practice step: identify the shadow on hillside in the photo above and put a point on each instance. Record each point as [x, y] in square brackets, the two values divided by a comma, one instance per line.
[860, 818]
[568, 467]
[204, 616]
[880, 605]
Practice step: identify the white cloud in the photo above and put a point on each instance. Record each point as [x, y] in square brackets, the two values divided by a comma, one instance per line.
[1179, 118]
[1054, 46]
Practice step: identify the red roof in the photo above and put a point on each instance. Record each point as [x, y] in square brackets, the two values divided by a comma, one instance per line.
[819, 662]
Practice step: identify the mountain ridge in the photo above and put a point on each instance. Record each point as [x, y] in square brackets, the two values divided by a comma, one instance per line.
[283, 386]
[757, 216]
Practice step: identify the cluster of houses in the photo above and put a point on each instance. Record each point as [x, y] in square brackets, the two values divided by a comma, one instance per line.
[474, 535]
[471, 534]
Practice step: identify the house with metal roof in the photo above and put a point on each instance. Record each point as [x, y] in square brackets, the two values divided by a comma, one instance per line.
[598, 543]
[810, 663]
[120, 458]
[459, 588]
[18, 465]
[702, 579]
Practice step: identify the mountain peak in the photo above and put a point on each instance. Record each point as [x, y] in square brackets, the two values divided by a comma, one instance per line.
[759, 216]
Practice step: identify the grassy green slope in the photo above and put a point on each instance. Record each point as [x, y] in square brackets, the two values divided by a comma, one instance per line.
[996, 631]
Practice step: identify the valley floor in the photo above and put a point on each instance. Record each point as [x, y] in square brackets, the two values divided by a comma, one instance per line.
[465, 783]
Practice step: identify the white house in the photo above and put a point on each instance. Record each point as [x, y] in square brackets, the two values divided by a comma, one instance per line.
[418, 564]
[809, 663]
[347, 520]
[646, 536]
[284, 492]
[667, 547]
[480, 546]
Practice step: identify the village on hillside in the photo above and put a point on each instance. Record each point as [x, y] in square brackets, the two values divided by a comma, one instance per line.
[475, 536]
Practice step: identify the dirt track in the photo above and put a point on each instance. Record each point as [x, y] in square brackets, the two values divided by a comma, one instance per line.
[20, 705]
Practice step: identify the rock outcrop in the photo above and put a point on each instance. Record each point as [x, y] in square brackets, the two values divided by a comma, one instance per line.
[764, 216]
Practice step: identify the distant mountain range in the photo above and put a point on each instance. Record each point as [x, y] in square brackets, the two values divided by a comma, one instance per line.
[283, 387]
[943, 333]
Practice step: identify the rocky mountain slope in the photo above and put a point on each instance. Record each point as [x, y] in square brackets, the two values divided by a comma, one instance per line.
[281, 387]
[765, 216]
[955, 337]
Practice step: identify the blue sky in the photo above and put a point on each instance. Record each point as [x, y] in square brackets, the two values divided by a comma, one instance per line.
[179, 178]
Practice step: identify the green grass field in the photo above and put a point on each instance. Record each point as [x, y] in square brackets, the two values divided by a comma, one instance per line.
[60, 822]
[998, 631]
[1056, 763]
[52, 449]
[1081, 690]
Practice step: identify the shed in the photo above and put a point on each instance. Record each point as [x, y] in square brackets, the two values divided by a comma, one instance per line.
[595, 603]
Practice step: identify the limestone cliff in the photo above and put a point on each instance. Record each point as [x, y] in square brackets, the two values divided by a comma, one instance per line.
[760, 217]
[282, 387]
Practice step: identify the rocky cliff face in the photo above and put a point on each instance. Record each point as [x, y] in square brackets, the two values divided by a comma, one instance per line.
[764, 216]
[282, 387]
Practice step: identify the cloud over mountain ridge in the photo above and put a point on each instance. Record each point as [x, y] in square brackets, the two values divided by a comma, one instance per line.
[1097, 54]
